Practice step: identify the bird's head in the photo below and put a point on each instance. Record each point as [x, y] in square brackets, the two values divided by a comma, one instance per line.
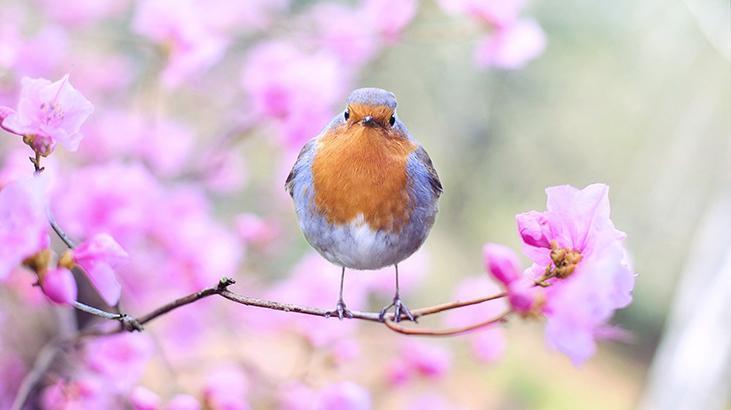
[372, 108]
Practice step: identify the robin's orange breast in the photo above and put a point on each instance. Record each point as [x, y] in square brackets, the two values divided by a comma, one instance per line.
[362, 171]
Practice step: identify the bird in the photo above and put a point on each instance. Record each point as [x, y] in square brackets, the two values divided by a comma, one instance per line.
[365, 191]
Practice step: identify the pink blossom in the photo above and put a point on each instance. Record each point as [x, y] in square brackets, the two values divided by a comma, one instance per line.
[120, 359]
[344, 396]
[297, 396]
[98, 256]
[42, 54]
[534, 229]
[501, 262]
[280, 80]
[488, 344]
[82, 12]
[113, 133]
[183, 402]
[579, 305]
[175, 24]
[23, 223]
[511, 47]
[341, 30]
[100, 74]
[430, 401]
[253, 229]
[493, 12]
[143, 398]
[225, 172]
[226, 389]
[11, 39]
[389, 18]
[113, 198]
[166, 145]
[49, 113]
[59, 285]
[82, 393]
[418, 358]
[241, 17]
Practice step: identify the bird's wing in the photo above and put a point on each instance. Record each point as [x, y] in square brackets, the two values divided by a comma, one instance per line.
[298, 165]
[434, 183]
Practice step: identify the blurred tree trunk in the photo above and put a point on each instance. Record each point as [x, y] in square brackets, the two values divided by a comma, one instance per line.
[692, 366]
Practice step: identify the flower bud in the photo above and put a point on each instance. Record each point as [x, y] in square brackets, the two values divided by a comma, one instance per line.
[534, 229]
[501, 262]
[59, 285]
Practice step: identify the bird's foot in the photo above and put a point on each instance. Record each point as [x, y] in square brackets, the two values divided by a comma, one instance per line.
[399, 310]
[341, 311]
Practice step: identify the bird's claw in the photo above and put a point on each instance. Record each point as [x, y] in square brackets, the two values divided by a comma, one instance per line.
[399, 309]
[341, 311]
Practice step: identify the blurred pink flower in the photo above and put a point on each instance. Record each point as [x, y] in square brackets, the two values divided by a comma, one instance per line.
[226, 388]
[493, 12]
[113, 198]
[297, 396]
[389, 18]
[345, 31]
[488, 343]
[166, 146]
[101, 73]
[120, 360]
[143, 398]
[176, 25]
[43, 54]
[419, 358]
[225, 172]
[253, 229]
[281, 81]
[579, 305]
[501, 262]
[183, 402]
[12, 41]
[182, 224]
[82, 12]
[98, 256]
[82, 393]
[241, 17]
[344, 396]
[430, 401]
[112, 134]
[59, 285]
[512, 46]
[23, 223]
[49, 113]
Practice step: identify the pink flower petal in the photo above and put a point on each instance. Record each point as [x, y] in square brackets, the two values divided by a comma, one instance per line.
[59, 285]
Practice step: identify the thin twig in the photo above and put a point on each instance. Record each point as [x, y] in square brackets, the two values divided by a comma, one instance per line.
[221, 289]
[60, 232]
[445, 332]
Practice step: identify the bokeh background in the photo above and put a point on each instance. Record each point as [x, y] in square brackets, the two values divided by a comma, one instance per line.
[633, 94]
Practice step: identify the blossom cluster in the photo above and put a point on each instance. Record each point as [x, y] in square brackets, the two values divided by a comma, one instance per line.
[141, 210]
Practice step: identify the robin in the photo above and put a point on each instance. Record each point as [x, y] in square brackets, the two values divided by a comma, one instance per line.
[365, 191]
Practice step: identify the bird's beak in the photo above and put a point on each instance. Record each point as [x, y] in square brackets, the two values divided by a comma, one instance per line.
[368, 121]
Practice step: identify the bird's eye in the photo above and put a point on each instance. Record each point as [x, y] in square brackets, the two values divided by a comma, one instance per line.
[346, 115]
[392, 120]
